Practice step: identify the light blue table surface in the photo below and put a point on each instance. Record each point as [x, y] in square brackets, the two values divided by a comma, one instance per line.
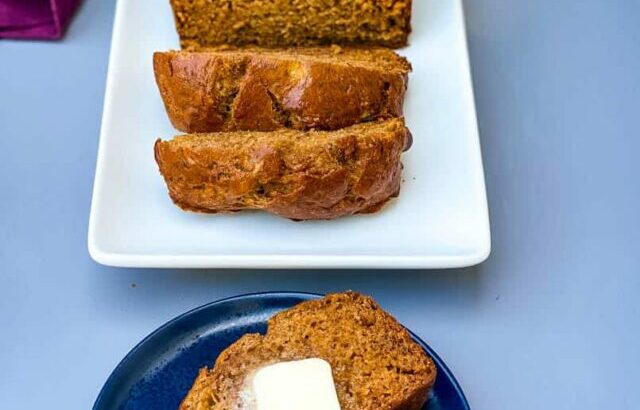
[550, 321]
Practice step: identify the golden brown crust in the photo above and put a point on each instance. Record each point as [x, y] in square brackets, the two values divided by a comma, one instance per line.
[375, 363]
[293, 22]
[295, 174]
[264, 90]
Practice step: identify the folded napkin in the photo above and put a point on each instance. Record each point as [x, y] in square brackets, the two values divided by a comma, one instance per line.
[41, 19]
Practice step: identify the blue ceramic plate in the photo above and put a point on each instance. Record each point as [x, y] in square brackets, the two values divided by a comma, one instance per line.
[158, 372]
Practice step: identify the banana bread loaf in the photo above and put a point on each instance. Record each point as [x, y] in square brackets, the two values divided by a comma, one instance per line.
[264, 90]
[375, 363]
[295, 174]
[292, 22]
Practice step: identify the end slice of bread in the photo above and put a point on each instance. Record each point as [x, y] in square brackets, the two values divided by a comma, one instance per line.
[375, 363]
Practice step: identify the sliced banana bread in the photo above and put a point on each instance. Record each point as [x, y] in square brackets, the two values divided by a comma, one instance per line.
[264, 90]
[294, 174]
[292, 22]
[375, 363]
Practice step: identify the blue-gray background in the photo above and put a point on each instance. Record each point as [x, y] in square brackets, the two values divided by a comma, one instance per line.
[551, 320]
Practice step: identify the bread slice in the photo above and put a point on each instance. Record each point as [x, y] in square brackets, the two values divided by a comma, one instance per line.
[264, 90]
[276, 23]
[294, 174]
[375, 363]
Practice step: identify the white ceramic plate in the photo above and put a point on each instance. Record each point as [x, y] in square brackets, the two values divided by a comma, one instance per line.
[439, 220]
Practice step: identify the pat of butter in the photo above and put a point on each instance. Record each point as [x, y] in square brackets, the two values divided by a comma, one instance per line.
[300, 384]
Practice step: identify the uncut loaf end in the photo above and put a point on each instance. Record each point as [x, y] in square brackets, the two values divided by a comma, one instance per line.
[278, 23]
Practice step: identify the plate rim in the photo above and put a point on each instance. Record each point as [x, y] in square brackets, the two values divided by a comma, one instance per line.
[302, 261]
[115, 373]
[476, 254]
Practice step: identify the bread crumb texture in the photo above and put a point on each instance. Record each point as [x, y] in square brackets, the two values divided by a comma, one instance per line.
[375, 363]
[276, 23]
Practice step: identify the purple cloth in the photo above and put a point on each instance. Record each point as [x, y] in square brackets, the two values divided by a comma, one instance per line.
[42, 19]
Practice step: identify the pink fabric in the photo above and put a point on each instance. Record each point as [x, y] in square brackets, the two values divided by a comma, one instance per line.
[36, 19]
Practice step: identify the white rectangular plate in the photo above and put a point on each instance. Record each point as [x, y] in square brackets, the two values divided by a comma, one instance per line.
[439, 220]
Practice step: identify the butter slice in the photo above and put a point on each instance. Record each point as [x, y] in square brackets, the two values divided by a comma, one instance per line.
[296, 385]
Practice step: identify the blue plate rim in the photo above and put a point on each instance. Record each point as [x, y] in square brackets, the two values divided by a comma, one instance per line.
[306, 295]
